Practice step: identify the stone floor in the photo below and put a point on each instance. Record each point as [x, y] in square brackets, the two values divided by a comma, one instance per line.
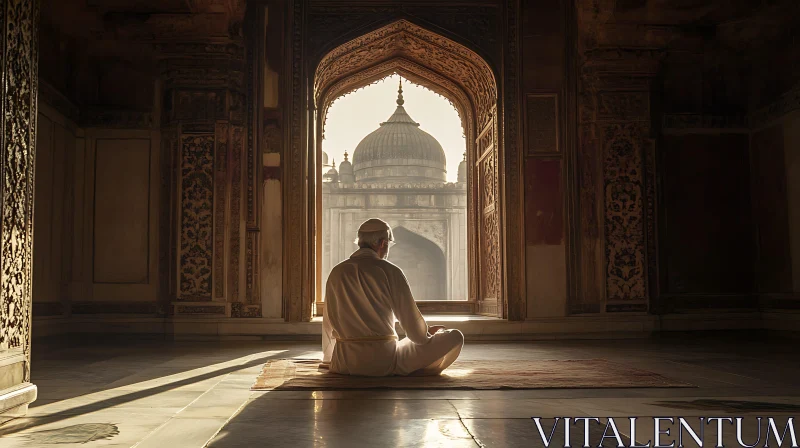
[193, 394]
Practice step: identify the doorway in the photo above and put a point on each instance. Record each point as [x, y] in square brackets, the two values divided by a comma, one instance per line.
[395, 150]
[468, 82]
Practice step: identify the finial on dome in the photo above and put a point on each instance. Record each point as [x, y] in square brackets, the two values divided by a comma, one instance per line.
[400, 100]
[345, 155]
[465, 156]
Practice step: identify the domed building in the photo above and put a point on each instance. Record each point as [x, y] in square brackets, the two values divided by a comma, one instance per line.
[398, 173]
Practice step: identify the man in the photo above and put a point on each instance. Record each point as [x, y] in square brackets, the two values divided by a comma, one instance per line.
[362, 298]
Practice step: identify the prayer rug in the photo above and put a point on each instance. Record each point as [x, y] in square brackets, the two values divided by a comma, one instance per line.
[306, 374]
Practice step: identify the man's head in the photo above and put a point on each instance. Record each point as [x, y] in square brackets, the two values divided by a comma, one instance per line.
[377, 235]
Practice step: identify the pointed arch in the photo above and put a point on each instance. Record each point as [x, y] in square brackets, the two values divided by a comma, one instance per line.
[448, 68]
[423, 262]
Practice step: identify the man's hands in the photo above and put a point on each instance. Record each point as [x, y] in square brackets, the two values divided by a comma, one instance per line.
[435, 328]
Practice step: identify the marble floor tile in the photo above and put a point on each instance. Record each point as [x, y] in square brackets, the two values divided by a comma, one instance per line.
[185, 394]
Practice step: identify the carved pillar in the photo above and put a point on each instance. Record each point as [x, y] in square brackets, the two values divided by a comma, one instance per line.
[19, 20]
[616, 162]
[214, 186]
[513, 212]
[298, 261]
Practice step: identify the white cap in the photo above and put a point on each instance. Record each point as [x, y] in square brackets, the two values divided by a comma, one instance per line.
[375, 225]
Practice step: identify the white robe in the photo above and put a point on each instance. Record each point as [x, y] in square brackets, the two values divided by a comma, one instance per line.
[362, 297]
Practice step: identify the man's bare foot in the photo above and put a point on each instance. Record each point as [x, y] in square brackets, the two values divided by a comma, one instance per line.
[433, 329]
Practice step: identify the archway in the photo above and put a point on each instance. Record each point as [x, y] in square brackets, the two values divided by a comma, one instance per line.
[423, 263]
[463, 77]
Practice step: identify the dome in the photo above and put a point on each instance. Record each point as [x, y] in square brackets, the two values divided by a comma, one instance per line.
[462, 169]
[324, 158]
[345, 167]
[332, 175]
[399, 151]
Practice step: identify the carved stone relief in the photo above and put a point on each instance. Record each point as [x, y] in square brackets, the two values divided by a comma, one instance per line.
[624, 226]
[402, 39]
[196, 217]
[478, 24]
[20, 76]
[615, 118]
[489, 218]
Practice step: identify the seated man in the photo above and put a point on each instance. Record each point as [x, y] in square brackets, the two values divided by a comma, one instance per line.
[362, 298]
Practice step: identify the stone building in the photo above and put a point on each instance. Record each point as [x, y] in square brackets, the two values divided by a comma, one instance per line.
[632, 167]
[398, 174]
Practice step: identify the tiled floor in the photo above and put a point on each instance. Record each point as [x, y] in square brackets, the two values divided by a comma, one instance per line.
[193, 394]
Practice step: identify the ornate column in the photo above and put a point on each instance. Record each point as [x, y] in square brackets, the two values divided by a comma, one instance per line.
[19, 22]
[617, 188]
[213, 180]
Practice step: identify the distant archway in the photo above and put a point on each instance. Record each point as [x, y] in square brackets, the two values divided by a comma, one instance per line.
[423, 263]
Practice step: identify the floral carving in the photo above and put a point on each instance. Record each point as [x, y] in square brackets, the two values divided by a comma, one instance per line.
[624, 226]
[490, 261]
[488, 180]
[19, 75]
[197, 199]
[402, 39]
[238, 309]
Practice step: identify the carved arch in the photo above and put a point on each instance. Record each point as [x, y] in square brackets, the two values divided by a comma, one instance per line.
[405, 40]
[414, 72]
[466, 79]
[414, 248]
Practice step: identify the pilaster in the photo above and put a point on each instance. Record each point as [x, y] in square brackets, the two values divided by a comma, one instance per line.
[617, 180]
[204, 117]
[19, 22]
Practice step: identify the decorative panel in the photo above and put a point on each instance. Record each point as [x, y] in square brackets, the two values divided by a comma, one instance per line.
[541, 119]
[121, 211]
[196, 217]
[618, 185]
[624, 226]
[18, 72]
[489, 268]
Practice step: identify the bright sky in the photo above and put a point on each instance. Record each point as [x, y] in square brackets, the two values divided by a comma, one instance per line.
[355, 115]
